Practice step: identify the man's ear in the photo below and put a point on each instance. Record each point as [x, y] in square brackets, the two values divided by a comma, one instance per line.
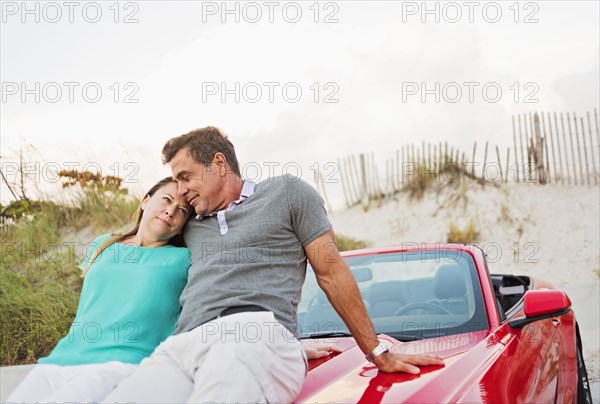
[220, 161]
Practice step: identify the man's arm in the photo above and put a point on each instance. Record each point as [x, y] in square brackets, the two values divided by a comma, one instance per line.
[338, 283]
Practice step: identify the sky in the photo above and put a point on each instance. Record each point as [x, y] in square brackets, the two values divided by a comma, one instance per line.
[295, 85]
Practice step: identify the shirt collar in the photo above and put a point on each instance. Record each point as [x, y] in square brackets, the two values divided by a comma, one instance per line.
[247, 191]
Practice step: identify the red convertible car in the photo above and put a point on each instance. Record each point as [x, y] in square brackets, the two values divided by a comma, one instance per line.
[504, 338]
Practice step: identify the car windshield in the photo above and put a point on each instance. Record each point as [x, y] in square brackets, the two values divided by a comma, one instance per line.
[408, 295]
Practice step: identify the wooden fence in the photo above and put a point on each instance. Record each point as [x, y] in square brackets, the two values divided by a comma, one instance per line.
[560, 148]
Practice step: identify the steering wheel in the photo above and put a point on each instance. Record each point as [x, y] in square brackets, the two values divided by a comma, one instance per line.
[428, 307]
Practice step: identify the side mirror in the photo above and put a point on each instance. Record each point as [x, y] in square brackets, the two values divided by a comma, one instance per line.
[542, 304]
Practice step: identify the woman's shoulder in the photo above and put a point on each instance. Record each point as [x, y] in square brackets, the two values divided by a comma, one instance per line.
[93, 245]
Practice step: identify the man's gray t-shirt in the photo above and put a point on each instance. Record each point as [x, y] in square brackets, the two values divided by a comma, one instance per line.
[260, 260]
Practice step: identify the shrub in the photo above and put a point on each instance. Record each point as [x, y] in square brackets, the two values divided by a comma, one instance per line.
[451, 173]
[468, 235]
[419, 181]
[348, 243]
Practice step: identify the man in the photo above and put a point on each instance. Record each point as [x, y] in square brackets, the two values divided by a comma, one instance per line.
[236, 339]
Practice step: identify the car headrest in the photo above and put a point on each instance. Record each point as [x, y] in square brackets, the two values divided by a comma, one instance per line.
[385, 292]
[449, 282]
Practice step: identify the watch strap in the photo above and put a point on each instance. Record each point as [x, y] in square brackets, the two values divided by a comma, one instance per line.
[379, 350]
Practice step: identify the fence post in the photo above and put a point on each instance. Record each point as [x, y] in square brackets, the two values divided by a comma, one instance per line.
[348, 181]
[473, 162]
[484, 161]
[499, 163]
[530, 136]
[572, 148]
[398, 173]
[562, 124]
[403, 166]
[546, 135]
[597, 133]
[522, 155]
[379, 191]
[508, 165]
[355, 178]
[342, 180]
[587, 165]
[578, 148]
[370, 170]
[389, 167]
[539, 150]
[595, 172]
[445, 153]
[515, 144]
[429, 156]
[363, 175]
[560, 165]
[327, 205]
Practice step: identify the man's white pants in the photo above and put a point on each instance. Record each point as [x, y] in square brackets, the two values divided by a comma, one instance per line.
[243, 357]
[70, 384]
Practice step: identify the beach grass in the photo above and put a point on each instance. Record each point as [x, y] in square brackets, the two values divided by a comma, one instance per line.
[466, 235]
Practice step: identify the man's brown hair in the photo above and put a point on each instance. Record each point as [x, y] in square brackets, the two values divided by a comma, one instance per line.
[202, 144]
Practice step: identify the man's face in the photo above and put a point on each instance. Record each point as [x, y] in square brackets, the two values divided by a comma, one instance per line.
[201, 186]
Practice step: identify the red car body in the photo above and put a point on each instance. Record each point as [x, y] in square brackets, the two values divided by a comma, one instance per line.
[503, 362]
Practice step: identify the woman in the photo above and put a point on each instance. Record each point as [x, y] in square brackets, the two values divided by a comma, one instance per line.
[129, 304]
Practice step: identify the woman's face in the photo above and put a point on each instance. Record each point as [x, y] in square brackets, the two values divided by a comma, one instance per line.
[165, 213]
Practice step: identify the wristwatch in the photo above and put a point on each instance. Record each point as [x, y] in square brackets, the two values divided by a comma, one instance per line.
[379, 350]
